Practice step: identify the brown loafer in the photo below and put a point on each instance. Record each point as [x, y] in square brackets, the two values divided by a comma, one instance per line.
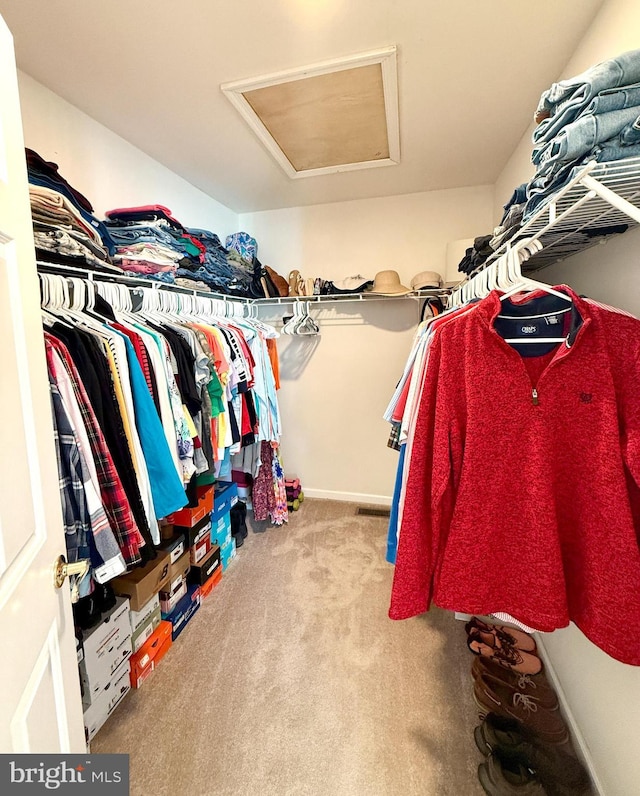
[490, 646]
[493, 696]
[509, 635]
[536, 685]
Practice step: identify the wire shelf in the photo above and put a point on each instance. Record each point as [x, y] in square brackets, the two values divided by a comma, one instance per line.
[571, 221]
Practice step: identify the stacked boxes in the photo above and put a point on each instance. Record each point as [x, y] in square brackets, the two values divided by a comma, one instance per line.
[182, 599]
[208, 573]
[147, 658]
[144, 622]
[104, 668]
[156, 603]
[226, 496]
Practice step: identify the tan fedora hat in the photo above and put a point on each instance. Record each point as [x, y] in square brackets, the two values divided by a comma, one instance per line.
[425, 280]
[387, 283]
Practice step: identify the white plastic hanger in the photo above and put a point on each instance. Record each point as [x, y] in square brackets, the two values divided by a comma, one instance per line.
[520, 283]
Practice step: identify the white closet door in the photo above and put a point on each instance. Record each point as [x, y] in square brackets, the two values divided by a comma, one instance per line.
[40, 705]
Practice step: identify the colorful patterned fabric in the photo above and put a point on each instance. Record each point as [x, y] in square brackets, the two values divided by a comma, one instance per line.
[244, 244]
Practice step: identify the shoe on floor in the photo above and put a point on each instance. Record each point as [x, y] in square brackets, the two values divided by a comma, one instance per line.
[494, 696]
[559, 772]
[509, 635]
[505, 779]
[489, 645]
[536, 685]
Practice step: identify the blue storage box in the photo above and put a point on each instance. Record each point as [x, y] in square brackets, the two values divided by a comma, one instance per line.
[225, 496]
[184, 611]
[228, 552]
[221, 531]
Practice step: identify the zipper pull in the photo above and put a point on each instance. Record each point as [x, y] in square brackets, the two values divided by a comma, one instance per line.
[534, 396]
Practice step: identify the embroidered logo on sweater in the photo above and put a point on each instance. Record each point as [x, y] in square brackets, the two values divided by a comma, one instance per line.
[585, 397]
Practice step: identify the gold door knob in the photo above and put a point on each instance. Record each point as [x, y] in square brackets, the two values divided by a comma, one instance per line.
[62, 570]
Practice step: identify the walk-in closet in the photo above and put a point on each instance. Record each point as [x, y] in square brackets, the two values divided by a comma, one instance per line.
[320, 389]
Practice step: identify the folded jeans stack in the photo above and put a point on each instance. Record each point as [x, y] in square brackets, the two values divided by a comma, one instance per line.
[593, 116]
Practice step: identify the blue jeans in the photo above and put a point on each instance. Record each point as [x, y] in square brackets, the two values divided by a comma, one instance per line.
[567, 99]
[575, 140]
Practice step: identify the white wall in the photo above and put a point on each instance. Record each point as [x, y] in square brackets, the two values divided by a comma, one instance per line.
[602, 694]
[108, 170]
[335, 387]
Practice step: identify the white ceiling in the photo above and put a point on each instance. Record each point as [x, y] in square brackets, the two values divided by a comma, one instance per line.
[470, 74]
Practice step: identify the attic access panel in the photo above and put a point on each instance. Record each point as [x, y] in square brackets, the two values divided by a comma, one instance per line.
[335, 116]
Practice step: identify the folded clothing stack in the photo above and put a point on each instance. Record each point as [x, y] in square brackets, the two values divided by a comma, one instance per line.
[151, 242]
[64, 227]
[593, 116]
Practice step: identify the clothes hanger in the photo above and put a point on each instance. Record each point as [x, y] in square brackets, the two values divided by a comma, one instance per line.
[524, 284]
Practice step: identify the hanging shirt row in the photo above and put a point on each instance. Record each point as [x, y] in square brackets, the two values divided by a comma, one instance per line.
[518, 487]
[146, 406]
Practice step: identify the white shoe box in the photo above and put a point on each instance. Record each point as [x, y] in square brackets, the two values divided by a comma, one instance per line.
[106, 647]
[103, 705]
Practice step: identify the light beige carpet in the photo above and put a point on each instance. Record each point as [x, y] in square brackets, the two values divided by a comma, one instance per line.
[292, 680]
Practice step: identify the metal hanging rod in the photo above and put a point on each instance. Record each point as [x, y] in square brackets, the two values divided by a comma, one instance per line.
[133, 281]
[344, 298]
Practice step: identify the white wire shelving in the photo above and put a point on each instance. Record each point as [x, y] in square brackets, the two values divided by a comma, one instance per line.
[600, 197]
[133, 282]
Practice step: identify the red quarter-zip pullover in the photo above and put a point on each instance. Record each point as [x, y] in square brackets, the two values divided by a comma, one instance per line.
[523, 493]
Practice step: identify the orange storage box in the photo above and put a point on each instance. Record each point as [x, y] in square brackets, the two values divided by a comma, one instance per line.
[187, 518]
[147, 658]
[210, 585]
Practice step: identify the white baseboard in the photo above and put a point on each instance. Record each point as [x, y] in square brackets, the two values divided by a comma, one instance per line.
[576, 733]
[348, 497]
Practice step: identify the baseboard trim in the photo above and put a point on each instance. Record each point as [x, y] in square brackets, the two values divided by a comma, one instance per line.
[578, 737]
[348, 497]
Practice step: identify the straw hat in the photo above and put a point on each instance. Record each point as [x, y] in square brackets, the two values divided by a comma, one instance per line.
[426, 279]
[387, 283]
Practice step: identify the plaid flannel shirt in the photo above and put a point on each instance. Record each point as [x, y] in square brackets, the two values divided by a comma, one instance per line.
[111, 490]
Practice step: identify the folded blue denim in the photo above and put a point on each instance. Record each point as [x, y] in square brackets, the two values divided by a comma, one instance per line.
[542, 190]
[518, 196]
[566, 100]
[575, 140]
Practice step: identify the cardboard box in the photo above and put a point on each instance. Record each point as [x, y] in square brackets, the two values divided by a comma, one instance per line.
[103, 706]
[140, 618]
[188, 517]
[201, 572]
[201, 549]
[225, 497]
[210, 585]
[97, 695]
[94, 681]
[142, 583]
[144, 631]
[169, 599]
[228, 552]
[175, 546]
[179, 569]
[221, 530]
[184, 611]
[150, 654]
[145, 582]
[105, 647]
[194, 534]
